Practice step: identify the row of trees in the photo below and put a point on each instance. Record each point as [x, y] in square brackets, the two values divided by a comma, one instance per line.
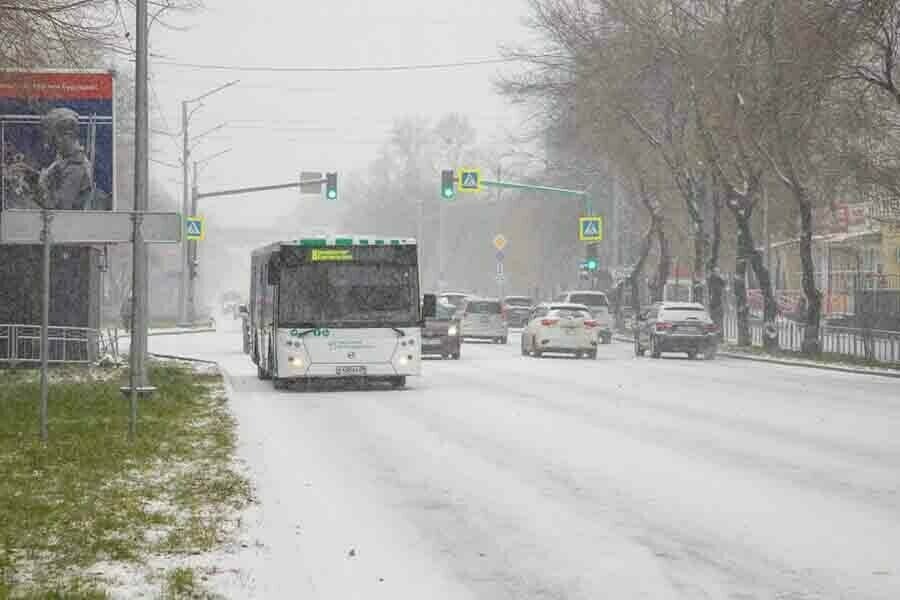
[701, 107]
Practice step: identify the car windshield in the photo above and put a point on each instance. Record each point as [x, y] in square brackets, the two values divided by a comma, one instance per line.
[455, 300]
[445, 312]
[589, 299]
[368, 294]
[483, 308]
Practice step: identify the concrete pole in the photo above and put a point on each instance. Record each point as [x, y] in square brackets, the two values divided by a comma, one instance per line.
[138, 351]
[192, 256]
[185, 211]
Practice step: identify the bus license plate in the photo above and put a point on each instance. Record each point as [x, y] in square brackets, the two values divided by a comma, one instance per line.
[351, 371]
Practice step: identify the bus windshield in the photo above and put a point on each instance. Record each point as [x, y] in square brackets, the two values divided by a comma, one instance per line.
[350, 294]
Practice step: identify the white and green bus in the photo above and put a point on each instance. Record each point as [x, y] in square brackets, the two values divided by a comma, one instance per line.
[337, 307]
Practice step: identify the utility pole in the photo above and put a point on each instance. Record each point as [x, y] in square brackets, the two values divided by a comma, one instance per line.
[140, 291]
[185, 207]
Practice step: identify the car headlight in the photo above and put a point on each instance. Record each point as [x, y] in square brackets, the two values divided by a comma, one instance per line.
[452, 330]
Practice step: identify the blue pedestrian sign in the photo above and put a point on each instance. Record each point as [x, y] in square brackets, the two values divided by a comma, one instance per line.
[470, 180]
[590, 229]
[193, 229]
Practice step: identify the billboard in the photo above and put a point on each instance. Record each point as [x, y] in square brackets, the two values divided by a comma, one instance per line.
[29, 156]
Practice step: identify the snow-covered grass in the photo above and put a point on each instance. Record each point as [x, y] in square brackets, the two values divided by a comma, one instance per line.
[91, 515]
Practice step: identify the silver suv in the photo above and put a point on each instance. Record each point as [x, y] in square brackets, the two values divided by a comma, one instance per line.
[483, 318]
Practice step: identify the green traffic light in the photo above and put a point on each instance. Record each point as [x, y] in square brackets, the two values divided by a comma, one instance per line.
[448, 193]
[332, 194]
[592, 265]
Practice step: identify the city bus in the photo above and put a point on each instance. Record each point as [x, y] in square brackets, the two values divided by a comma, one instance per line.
[337, 308]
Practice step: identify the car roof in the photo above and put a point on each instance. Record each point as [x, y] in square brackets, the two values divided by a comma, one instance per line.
[522, 297]
[596, 292]
[677, 305]
[454, 294]
[480, 299]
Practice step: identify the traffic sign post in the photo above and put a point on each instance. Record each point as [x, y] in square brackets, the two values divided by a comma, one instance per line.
[590, 229]
[470, 180]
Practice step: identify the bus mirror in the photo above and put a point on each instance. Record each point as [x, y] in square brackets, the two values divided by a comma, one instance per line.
[429, 306]
[242, 310]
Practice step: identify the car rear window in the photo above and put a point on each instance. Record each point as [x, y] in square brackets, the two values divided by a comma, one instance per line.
[483, 308]
[518, 301]
[589, 299]
[683, 313]
[564, 313]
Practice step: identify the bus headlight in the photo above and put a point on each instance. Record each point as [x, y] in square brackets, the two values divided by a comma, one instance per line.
[453, 330]
[295, 361]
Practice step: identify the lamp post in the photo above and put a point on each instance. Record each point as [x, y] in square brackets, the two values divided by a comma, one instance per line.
[183, 316]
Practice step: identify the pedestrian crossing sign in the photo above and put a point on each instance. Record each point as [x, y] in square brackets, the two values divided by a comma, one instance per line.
[470, 180]
[194, 229]
[590, 229]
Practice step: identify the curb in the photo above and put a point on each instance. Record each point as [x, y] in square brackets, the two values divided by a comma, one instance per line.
[173, 332]
[792, 363]
[822, 367]
[182, 358]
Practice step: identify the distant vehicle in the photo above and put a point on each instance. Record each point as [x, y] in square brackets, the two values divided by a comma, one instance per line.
[517, 309]
[441, 334]
[676, 327]
[598, 305]
[560, 328]
[244, 314]
[455, 299]
[482, 318]
[337, 308]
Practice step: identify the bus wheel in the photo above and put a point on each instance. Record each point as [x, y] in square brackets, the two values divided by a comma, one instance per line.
[280, 384]
[398, 382]
[261, 373]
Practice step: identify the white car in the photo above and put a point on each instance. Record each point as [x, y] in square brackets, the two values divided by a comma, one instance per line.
[482, 318]
[560, 328]
[597, 304]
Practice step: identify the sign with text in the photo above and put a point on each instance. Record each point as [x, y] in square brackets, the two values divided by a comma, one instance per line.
[26, 101]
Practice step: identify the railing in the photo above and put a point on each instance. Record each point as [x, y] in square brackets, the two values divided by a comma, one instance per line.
[873, 344]
[66, 345]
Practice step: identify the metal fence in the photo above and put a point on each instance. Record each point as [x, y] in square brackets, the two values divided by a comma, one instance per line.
[21, 344]
[873, 344]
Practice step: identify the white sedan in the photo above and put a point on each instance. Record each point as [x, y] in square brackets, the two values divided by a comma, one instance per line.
[560, 328]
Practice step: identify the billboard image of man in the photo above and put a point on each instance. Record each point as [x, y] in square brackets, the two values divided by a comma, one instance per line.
[67, 183]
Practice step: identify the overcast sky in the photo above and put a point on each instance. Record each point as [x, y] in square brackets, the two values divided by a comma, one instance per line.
[280, 123]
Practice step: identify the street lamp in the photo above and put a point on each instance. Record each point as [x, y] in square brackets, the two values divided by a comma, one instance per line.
[185, 195]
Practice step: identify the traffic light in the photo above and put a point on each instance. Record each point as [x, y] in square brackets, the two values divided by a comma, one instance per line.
[448, 184]
[331, 186]
[591, 264]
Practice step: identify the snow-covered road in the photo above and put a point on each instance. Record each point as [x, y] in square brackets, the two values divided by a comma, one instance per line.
[501, 476]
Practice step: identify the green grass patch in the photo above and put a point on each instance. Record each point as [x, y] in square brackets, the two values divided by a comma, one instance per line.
[91, 496]
[825, 358]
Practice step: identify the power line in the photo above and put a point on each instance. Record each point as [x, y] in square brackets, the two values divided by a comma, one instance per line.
[354, 69]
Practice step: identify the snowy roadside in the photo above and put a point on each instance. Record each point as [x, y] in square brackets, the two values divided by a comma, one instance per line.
[95, 516]
[759, 356]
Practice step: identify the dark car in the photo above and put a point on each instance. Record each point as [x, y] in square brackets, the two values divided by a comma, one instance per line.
[677, 327]
[517, 309]
[440, 336]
